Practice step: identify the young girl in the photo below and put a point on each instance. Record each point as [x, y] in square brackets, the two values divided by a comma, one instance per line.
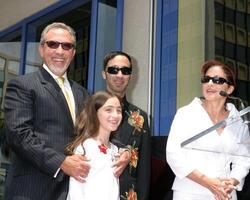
[101, 116]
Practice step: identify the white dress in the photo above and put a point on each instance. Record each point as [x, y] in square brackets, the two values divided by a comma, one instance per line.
[190, 120]
[100, 182]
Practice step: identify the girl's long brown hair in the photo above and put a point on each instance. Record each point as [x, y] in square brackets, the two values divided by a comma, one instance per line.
[87, 123]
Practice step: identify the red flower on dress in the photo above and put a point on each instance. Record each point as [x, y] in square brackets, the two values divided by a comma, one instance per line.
[134, 157]
[134, 154]
[130, 195]
[103, 148]
[136, 120]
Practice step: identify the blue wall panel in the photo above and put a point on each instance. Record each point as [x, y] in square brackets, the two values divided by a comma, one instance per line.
[166, 66]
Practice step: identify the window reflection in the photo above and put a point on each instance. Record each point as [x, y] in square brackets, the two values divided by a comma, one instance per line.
[106, 29]
[31, 68]
[232, 44]
[13, 68]
[10, 47]
[2, 67]
[33, 59]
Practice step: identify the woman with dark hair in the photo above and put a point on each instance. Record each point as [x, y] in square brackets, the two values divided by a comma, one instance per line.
[101, 116]
[207, 169]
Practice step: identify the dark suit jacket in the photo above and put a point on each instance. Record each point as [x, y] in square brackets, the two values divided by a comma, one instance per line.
[38, 126]
[136, 176]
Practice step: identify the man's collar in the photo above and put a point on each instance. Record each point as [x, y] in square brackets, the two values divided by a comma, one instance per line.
[123, 100]
[125, 103]
[51, 73]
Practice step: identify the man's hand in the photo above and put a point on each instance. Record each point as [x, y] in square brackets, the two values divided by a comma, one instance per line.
[76, 166]
[121, 163]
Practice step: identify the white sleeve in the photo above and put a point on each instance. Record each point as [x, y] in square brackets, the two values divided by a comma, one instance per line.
[241, 163]
[176, 156]
[76, 188]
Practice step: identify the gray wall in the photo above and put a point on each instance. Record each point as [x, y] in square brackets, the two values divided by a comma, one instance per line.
[137, 42]
[13, 11]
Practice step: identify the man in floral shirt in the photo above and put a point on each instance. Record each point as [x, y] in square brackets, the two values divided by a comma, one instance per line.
[133, 132]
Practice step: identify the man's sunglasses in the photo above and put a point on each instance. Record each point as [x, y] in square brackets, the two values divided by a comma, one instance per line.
[215, 79]
[116, 69]
[65, 45]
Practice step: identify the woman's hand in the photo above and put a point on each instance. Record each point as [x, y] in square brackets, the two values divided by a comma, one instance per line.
[229, 184]
[217, 186]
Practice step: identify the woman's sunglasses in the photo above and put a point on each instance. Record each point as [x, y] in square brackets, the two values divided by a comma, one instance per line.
[54, 45]
[216, 80]
[116, 69]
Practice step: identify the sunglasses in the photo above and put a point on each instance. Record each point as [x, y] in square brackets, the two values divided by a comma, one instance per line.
[65, 45]
[116, 69]
[216, 80]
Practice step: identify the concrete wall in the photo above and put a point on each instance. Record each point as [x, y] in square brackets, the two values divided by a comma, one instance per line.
[13, 11]
[136, 42]
[191, 45]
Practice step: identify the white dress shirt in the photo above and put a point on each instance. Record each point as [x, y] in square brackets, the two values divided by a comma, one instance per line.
[213, 153]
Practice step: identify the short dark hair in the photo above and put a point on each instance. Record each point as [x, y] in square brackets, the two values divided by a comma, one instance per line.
[113, 54]
[230, 75]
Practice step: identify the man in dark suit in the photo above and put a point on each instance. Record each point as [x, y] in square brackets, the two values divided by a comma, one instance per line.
[133, 132]
[39, 119]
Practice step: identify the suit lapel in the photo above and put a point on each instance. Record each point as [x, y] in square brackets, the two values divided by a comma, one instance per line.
[53, 88]
[126, 130]
[75, 90]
